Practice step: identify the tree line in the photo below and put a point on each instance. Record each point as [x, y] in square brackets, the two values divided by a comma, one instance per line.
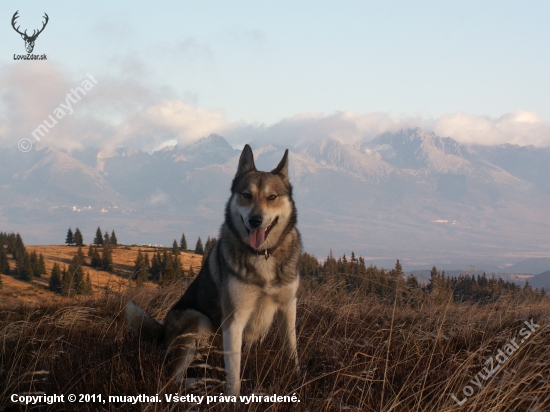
[388, 285]
[28, 265]
[76, 238]
[199, 248]
[166, 266]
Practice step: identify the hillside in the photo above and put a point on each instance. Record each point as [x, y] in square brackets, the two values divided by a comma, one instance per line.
[356, 354]
[17, 292]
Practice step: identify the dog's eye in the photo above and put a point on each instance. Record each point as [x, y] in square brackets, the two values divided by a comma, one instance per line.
[247, 195]
[272, 197]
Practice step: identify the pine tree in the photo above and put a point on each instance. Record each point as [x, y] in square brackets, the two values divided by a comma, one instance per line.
[95, 258]
[156, 267]
[69, 240]
[175, 248]
[79, 256]
[412, 282]
[73, 278]
[90, 251]
[41, 266]
[19, 246]
[141, 268]
[198, 248]
[24, 268]
[98, 240]
[78, 238]
[432, 283]
[107, 259]
[87, 285]
[398, 271]
[114, 240]
[183, 242]
[4, 264]
[106, 238]
[33, 262]
[55, 279]
[67, 287]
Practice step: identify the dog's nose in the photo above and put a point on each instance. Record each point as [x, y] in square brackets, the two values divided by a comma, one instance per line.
[255, 220]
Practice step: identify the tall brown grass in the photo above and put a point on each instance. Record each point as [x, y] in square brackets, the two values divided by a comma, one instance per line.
[356, 354]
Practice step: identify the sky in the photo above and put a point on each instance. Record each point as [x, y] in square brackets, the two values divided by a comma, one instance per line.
[174, 71]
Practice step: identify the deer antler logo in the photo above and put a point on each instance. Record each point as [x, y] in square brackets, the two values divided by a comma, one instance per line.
[29, 40]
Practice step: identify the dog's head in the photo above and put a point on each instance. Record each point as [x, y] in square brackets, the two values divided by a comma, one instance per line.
[261, 205]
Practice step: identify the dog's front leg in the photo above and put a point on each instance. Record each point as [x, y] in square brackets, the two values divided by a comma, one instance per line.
[232, 346]
[286, 319]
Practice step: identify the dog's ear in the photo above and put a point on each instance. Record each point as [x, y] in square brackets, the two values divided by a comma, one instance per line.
[246, 162]
[282, 168]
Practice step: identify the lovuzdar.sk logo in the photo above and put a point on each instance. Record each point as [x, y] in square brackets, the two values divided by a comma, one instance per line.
[29, 40]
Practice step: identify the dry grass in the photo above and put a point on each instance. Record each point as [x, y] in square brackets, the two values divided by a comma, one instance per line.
[16, 292]
[355, 353]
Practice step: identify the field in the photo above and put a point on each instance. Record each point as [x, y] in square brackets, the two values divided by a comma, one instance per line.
[356, 353]
[16, 292]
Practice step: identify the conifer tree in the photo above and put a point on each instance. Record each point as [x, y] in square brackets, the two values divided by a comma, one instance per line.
[98, 240]
[67, 288]
[398, 271]
[41, 266]
[90, 251]
[73, 278]
[107, 259]
[86, 288]
[55, 279]
[198, 248]
[33, 262]
[141, 268]
[156, 267]
[69, 240]
[78, 238]
[95, 258]
[19, 245]
[412, 282]
[24, 268]
[175, 248]
[183, 242]
[106, 238]
[4, 264]
[114, 240]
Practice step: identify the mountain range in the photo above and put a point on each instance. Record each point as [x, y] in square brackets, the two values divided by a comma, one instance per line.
[410, 195]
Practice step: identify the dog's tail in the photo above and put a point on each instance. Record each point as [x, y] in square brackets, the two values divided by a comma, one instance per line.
[143, 324]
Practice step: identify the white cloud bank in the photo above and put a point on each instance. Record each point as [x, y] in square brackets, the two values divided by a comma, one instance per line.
[125, 112]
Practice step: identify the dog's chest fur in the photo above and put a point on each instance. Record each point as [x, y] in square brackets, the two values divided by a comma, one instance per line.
[261, 303]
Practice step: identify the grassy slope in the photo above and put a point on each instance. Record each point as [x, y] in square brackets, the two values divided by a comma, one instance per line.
[355, 354]
[17, 292]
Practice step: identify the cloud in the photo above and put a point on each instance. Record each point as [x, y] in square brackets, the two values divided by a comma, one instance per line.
[347, 127]
[130, 111]
[519, 127]
[168, 120]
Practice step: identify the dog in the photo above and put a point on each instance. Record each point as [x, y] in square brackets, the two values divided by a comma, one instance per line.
[249, 277]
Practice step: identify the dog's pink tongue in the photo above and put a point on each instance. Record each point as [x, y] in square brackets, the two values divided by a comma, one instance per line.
[256, 238]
